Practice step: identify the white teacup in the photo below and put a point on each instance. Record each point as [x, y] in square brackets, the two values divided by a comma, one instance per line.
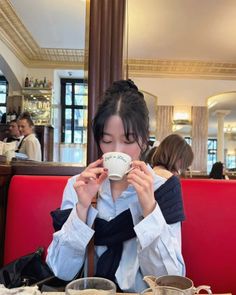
[118, 164]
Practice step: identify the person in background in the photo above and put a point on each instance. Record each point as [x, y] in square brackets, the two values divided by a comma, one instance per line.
[13, 133]
[169, 159]
[218, 171]
[30, 145]
[149, 236]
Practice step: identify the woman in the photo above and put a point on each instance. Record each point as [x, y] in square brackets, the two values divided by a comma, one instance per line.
[146, 243]
[172, 157]
[30, 145]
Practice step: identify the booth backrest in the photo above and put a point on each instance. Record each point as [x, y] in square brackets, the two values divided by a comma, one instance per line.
[208, 234]
[28, 222]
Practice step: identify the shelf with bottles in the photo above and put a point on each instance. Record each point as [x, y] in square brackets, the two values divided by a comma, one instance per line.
[37, 83]
[38, 102]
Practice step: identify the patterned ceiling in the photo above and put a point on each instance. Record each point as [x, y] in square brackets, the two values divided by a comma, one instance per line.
[21, 42]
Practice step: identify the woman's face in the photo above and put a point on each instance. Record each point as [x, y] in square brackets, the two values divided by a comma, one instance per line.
[114, 139]
[24, 127]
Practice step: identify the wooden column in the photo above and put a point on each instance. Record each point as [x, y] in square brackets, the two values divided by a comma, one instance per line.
[105, 59]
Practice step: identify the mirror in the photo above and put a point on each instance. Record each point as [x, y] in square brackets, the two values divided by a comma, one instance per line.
[222, 111]
[170, 46]
[46, 41]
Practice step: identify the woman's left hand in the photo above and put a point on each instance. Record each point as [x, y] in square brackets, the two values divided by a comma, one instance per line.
[142, 180]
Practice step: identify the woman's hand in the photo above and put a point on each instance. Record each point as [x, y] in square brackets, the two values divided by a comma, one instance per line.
[142, 180]
[87, 185]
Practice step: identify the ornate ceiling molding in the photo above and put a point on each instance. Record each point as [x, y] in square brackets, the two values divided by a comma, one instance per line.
[19, 40]
[181, 69]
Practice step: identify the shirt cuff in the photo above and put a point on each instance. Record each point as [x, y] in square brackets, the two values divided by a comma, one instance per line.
[76, 231]
[150, 227]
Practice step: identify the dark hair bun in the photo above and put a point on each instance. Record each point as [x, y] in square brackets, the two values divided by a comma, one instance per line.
[122, 86]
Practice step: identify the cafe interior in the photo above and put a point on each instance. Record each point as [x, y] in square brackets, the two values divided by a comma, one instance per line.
[56, 60]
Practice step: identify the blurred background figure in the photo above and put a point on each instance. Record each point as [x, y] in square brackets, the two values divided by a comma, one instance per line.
[13, 133]
[171, 157]
[218, 171]
[30, 145]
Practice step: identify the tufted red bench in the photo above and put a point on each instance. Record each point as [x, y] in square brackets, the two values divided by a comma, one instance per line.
[208, 234]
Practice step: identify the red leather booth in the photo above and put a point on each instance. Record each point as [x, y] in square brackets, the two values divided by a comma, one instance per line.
[29, 224]
[208, 234]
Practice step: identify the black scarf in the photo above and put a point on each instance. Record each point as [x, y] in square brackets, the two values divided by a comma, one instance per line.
[113, 233]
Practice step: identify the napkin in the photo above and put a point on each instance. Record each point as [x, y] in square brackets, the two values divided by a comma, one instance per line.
[21, 290]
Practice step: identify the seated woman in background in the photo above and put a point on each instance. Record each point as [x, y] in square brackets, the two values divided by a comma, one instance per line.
[218, 171]
[30, 145]
[172, 157]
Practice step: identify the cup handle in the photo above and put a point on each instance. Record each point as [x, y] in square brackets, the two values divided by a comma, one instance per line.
[203, 287]
[128, 171]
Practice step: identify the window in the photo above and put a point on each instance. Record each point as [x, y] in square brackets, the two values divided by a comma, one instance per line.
[74, 102]
[3, 95]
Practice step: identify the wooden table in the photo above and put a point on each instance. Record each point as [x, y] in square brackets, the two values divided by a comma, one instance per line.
[63, 293]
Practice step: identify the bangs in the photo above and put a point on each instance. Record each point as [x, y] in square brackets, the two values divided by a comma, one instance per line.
[131, 129]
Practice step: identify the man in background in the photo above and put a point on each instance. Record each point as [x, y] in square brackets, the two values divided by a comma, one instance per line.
[13, 133]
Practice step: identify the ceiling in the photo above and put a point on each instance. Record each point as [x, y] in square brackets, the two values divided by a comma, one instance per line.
[166, 38]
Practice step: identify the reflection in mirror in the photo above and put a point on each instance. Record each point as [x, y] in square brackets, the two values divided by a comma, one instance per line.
[182, 120]
[222, 129]
[51, 41]
[151, 101]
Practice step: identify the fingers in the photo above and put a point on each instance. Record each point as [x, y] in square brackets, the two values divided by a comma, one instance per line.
[141, 166]
[140, 180]
[95, 164]
[140, 177]
[92, 173]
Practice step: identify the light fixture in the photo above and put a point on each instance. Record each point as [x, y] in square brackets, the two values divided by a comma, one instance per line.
[182, 115]
[229, 129]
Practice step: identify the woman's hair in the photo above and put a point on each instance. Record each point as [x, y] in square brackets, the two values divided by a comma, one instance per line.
[217, 171]
[26, 116]
[173, 153]
[125, 100]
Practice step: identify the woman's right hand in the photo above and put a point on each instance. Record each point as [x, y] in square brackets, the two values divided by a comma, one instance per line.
[87, 185]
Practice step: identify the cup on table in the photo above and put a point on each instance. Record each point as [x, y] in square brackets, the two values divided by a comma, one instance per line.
[118, 164]
[170, 285]
[91, 286]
